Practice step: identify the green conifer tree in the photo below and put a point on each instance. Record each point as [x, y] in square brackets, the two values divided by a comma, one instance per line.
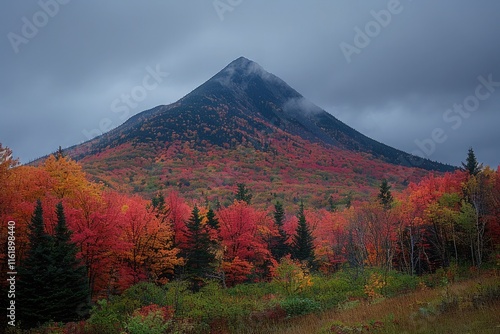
[471, 165]
[348, 200]
[212, 220]
[158, 202]
[279, 247]
[199, 259]
[303, 246]
[32, 274]
[385, 196]
[243, 193]
[72, 300]
[52, 283]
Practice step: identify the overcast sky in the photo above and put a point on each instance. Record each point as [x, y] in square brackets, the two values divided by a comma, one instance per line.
[420, 76]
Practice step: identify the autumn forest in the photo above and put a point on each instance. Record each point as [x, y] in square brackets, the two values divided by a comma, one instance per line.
[447, 220]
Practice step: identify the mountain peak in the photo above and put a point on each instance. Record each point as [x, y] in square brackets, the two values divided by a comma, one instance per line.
[241, 62]
[243, 104]
[243, 70]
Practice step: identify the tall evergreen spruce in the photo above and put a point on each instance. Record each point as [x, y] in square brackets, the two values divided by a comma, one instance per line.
[33, 271]
[158, 202]
[385, 196]
[72, 284]
[303, 246]
[213, 224]
[279, 248]
[243, 193]
[471, 165]
[212, 220]
[52, 283]
[199, 259]
[332, 205]
[60, 153]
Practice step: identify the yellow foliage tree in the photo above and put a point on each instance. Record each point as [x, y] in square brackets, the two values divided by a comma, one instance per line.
[68, 177]
[292, 276]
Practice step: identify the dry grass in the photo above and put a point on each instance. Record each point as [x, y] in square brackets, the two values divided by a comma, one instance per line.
[417, 312]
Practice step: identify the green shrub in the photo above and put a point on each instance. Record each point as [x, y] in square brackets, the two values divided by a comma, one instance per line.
[146, 294]
[354, 279]
[153, 323]
[292, 277]
[252, 290]
[294, 306]
[107, 316]
[176, 294]
[213, 303]
[333, 290]
[397, 283]
[486, 294]
[437, 279]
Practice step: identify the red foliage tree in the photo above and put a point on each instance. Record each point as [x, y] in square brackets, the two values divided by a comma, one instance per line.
[244, 231]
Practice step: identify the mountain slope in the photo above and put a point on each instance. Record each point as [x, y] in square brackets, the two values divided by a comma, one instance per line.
[245, 100]
[241, 113]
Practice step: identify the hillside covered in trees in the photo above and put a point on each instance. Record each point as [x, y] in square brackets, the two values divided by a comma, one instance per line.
[244, 123]
[120, 240]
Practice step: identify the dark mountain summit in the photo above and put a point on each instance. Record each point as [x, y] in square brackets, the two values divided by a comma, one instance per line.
[244, 103]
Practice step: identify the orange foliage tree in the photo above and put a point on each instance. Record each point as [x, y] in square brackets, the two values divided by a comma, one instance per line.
[148, 251]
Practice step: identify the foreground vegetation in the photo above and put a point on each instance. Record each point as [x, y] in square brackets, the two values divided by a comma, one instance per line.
[466, 306]
[452, 301]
